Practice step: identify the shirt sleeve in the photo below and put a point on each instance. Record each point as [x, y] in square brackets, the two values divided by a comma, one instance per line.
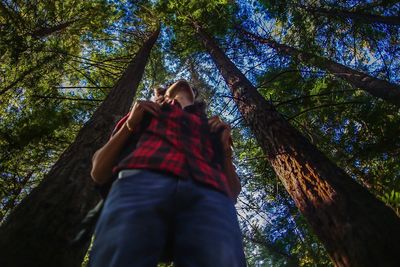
[119, 124]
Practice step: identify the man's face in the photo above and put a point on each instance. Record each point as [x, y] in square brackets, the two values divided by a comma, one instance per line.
[179, 87]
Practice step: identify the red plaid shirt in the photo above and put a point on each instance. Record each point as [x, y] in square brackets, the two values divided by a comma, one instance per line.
[178, 142]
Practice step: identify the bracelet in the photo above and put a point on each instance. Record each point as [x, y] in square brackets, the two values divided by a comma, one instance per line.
[129, 128]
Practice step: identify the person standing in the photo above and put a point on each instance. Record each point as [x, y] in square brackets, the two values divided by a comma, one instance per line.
[174, 188]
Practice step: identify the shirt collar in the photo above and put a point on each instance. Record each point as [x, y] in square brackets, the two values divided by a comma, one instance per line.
[194, 108]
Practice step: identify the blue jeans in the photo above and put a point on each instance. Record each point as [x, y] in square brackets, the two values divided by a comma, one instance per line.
[149, 215]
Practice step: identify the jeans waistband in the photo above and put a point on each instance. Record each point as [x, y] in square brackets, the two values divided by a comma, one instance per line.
[124, 173]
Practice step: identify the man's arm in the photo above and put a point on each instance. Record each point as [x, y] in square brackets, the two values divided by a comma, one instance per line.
[216, 125]
[230, 171]
[105, 158]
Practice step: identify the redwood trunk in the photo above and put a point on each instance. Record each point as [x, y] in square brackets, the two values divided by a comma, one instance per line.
[355, 227]
[38, 231]
[379, 88]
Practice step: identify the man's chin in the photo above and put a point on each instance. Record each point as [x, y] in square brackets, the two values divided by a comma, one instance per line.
[173, 91]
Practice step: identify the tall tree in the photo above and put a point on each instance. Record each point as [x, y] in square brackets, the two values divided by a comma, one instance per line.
[35, 32]
[360, 11]
[379, 88]
[343, 214]
[354, 15]
[38, 231]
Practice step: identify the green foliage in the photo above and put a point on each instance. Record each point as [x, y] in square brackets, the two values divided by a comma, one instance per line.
[392, 199]
[51, 52]
[59, 59]
[217, 16]
[319, 27]
[355, 130]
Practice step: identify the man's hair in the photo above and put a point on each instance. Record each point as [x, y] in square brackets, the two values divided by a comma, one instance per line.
[159, 90]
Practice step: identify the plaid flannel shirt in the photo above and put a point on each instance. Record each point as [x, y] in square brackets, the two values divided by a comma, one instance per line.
[178, 142]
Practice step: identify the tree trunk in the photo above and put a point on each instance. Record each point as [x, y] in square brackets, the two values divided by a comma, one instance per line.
[27, 72]
[376, 87]
[375, 4]
[355, 227]
[291, 261]
[45, 31]
[38, 231]
[354, 15]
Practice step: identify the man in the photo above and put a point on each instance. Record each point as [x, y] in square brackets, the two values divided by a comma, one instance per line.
[175, 193]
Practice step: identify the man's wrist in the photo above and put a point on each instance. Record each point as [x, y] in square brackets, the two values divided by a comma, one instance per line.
[130, 129]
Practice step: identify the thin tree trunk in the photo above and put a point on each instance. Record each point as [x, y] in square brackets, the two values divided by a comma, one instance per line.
[26, 73]
[45, 31]
[355, 227]
[379, 88]
[11, 15]
[354, 15]
[377, 3]
[39, 230]
[272, 248]
[38, 33]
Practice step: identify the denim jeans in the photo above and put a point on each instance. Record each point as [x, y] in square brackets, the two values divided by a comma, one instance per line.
[149, 215]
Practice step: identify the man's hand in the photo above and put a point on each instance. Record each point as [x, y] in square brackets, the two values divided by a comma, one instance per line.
[216, 125]
[104, 159]
[137, 112]
[159, 99]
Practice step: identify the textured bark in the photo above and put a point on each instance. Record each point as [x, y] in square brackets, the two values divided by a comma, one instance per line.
[354, 15]
[355, 227]
[379, 88]
[38, 231]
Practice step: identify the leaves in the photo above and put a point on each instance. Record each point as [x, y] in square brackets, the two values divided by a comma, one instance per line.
[59, 59]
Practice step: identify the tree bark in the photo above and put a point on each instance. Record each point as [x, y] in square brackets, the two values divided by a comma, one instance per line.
[379, 88]
[355, 227]
[354, 15]
[38, 231]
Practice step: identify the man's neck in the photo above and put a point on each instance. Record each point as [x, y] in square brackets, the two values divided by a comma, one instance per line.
[183, 100]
